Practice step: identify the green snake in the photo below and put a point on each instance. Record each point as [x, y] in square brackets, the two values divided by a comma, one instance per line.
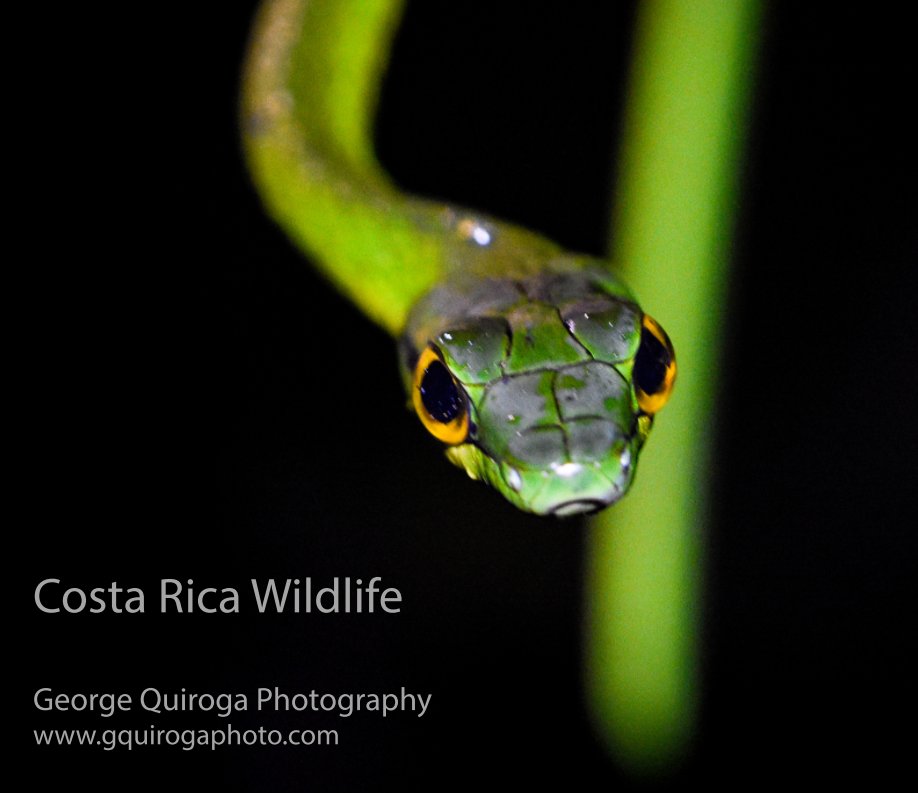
[535, 367]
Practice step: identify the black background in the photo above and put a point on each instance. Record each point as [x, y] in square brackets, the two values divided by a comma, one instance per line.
[192, 401]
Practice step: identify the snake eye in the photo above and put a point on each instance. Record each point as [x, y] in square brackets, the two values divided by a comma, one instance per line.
[439, 400]
[654, 367]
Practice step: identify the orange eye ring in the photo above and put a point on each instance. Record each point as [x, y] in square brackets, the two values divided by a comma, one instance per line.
[439, 399]
[654, 367]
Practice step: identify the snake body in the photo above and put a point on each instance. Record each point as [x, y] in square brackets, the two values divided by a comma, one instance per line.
[534, 366]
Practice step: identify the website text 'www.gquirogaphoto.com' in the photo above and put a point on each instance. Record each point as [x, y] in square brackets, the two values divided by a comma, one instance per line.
[186, 739]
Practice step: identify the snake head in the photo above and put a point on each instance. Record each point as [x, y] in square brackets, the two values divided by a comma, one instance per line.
[548, 398]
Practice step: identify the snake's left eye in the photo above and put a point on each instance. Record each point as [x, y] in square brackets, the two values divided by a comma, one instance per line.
[654, 367]
[439, 400]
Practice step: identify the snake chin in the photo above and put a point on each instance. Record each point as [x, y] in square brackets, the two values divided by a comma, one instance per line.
[579, 507]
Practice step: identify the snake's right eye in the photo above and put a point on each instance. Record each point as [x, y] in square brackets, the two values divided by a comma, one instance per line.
[439, 400]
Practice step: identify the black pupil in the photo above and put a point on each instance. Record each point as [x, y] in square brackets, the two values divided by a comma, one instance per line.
[651, 363]
[439, 394]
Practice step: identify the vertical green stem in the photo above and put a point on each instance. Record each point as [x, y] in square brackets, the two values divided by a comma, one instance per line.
[676, 199]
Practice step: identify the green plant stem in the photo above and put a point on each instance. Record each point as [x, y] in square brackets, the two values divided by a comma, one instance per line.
[675, 204]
